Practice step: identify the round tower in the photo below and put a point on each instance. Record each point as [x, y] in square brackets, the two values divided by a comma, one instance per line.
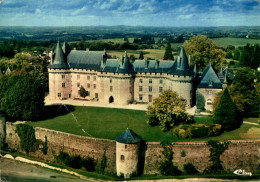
[127, 153]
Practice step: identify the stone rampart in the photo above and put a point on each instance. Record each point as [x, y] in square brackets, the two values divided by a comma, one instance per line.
[240, 153]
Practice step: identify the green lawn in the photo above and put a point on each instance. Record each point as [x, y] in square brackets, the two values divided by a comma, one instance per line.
[109, 123]
[224, 42]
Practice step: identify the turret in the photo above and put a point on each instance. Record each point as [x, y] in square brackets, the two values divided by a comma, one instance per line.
[225, 83]
[127, 153]
[183, 60]
[59, 61]
[66, 49]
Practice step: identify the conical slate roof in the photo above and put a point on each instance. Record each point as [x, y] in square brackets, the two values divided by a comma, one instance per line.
[209, 79]
[181, 65]
[59, 61]
[128, 137]
[66, 49]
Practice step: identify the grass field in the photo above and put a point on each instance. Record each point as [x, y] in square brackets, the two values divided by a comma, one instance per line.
[224, 42]
[152, 53]
[110, 123]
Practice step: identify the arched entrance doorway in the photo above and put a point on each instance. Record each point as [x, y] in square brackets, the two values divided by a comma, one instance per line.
[111, 99]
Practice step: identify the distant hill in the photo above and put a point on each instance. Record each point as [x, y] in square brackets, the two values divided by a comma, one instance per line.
[100, 32]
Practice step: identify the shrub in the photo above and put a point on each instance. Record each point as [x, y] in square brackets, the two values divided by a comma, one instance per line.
[166, 167]
[45, 146]
[190, 169]
[216, 150]
[197, 131]
[200, 101]
[26, 134]
[89, 164]
[76, 161]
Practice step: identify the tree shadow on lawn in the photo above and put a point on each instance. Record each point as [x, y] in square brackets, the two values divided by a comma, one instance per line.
[55, 110]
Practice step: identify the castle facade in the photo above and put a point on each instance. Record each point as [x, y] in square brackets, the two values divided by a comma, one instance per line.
[117, 80]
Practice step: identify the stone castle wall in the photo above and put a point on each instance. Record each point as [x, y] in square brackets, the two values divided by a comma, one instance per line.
[240, 154]
[72, 144]
[209, 95]
[124, 88]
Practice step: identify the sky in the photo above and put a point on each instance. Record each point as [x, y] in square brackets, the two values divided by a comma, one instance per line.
[170, 13]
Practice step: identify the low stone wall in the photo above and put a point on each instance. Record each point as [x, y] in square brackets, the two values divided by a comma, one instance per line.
[240, 154]
[72, 144]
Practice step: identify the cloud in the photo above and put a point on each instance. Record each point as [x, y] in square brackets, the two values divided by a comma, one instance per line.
[130, 12]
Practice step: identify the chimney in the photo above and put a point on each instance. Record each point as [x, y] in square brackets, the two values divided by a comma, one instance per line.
[146, 64]
[157, 64]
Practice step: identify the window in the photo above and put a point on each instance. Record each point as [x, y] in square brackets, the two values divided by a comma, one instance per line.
[59, 94]
[150, 88]
[95, 86]
[95, 78]
[210, 92]
[63, 76]
[78, 84]
[63, 84]
[111, 88]
[88, 77]
[122, 157]
[161, 81]
[140, 97]
[110, 80]
[150, 98]
[140, 88]
[78, 76]
[209, 102]
[141, 81]
[160, 89]
[88, 85]
[150, 80]
[69, 95]
[96, 95]
[125, 146]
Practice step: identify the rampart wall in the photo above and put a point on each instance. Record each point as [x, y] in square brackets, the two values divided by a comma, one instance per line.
[240, 153]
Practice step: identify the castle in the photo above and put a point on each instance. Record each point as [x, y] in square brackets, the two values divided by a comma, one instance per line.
[121, 82]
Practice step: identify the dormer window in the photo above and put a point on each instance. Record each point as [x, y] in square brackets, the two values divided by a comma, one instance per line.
[211, 83]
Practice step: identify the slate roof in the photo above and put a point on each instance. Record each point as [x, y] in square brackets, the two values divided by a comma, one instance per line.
[85, 59]
[154, 66]
[66, 49]
[209, 79]
[92, 60]
[59, 61]
[128, 137]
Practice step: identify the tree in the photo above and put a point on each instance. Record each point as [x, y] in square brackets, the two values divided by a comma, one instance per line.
[168, 52]
[226, 113]
[141, 56]
[203, 50]
[167, 110]
[244, 92]
[200, 101]
[23, 98]
[236, 54]
[83, 92]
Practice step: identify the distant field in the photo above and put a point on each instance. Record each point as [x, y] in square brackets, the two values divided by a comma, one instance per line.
[151, 53]
[224, 42]
[109, 123]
